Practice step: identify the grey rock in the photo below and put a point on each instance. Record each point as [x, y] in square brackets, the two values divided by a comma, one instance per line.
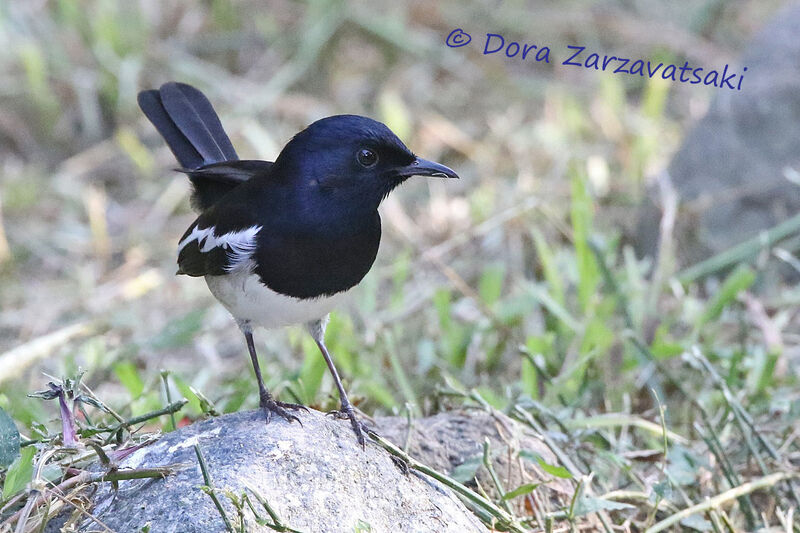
[736, 172]
[316, 478]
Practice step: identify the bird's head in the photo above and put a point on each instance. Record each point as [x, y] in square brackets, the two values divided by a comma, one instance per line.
[351, 162]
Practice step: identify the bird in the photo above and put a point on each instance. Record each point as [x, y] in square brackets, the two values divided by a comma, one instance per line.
[282, 243]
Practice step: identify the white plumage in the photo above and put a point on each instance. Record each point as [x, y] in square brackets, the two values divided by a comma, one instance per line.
[240, 245]
[249, 300]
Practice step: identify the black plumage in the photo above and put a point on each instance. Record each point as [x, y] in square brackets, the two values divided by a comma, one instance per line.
[278, 242]
[187, 121]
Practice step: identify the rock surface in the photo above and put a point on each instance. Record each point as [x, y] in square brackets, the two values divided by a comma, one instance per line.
[316, 478]
[738, 171]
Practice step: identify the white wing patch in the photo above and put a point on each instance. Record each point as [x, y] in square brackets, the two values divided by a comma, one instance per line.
[239, 244]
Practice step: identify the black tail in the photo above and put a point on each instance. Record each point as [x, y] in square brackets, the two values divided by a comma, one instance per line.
[187, 121]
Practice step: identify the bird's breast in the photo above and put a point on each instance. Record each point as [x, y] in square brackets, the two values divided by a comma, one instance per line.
[317, 263]
[248, 299]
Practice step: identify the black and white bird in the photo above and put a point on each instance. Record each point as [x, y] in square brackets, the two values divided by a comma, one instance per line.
[281, 243]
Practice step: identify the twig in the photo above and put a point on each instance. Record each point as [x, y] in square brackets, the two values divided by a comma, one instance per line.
[137, 473]
[171, 408]
[720, 499]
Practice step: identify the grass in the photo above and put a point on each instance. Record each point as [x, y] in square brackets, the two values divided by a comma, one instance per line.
[671, 389]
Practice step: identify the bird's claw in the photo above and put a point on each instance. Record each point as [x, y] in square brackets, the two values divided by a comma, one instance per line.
[359, 428]
[402, 464]
[270, 406]
[340, 414]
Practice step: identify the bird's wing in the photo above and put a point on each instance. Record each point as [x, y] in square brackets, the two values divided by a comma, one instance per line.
[211, 182]
[209, 249]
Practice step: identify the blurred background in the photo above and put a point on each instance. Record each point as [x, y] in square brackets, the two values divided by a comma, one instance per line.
[522, 282]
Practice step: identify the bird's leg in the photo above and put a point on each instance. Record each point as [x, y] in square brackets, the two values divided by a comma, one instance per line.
[268, 404]
[346, 410]
[317, 330]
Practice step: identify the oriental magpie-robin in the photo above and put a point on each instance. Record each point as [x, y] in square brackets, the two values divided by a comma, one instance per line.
[281, 243]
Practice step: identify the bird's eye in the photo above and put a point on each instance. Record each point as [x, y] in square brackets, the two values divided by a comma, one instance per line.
[367, 158]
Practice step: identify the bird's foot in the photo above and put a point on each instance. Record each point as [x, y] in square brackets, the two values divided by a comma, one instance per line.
[402, 464]
[359, 428]
[270, 406]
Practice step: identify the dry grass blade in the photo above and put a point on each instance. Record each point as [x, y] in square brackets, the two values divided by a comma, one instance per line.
[723, 498]
[16, 360]
[42, 497]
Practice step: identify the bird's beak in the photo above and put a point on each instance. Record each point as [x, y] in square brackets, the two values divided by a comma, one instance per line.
[423, 167]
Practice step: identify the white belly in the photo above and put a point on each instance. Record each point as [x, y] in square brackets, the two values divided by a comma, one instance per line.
[247, 299]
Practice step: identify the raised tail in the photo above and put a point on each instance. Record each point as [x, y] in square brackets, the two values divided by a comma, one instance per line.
[189, 124]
